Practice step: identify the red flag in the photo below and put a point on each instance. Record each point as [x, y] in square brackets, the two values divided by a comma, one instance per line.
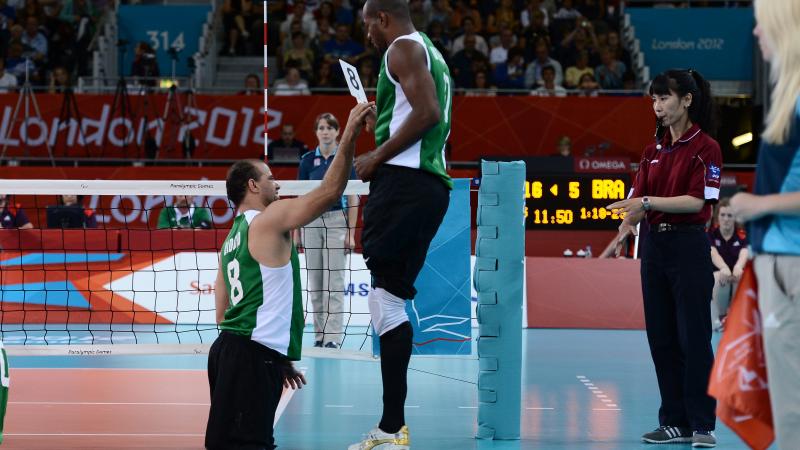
[739, 377]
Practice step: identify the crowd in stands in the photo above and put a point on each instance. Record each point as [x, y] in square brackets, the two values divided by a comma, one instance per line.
[46, 39]
[545, 47]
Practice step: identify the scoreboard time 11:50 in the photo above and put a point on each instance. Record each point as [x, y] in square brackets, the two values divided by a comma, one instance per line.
[574, 201]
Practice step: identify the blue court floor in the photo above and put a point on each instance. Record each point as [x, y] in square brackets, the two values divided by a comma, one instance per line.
[581, 389]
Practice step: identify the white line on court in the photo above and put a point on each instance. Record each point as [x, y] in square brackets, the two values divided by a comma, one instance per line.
[467, 407]
[606, 409]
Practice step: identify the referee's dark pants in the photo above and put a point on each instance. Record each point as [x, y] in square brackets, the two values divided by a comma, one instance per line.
[677, 280]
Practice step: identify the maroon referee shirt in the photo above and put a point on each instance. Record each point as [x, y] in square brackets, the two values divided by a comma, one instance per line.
[690, 166]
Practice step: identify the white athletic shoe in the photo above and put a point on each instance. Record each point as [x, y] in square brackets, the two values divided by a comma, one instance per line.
[377, 439]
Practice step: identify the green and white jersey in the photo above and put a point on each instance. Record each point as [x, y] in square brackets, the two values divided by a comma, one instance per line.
[393, 109]
[265, 303]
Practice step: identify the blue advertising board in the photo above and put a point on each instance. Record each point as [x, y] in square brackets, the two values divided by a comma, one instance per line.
[441, 313]
[717, 42]
[163, 27]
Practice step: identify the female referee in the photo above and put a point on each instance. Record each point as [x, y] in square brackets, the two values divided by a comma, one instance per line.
[678, 180]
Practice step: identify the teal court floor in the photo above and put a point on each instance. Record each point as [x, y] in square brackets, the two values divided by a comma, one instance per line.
[581, 390]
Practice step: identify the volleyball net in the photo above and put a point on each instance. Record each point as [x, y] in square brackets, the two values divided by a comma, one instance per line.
[129, 267]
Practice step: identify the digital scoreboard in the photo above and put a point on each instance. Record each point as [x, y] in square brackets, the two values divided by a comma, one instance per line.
[574, 201]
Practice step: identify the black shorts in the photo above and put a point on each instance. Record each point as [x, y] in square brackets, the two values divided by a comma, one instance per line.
[402, 215]
[246, 380]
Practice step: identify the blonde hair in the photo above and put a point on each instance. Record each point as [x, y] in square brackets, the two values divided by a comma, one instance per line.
[780, 25]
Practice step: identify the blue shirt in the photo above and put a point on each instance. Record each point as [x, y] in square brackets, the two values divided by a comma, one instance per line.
[778, 171]
[313, 166]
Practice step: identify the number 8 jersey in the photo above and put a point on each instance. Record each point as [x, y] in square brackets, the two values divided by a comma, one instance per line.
[265, 302]
[393, 108]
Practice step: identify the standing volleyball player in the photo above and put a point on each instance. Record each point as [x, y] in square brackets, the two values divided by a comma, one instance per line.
[258, 298]
[409, 193]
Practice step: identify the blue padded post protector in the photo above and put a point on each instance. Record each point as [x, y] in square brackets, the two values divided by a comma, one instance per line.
[498, 278]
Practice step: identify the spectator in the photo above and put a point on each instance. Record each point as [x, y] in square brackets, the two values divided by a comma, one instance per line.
[567, 11]
[344, 14]
[535, 32]
[81, 15]
[18, 65]
[441, 11]
[88, 217]
[420, 17]
[325, 78]
[183, 213]
[526, 16]
[325, 11]
[306, 19]
[495, 40]
[564, 147]
[299, 55]
[145, 66]
[287, 145]
[252, 85]
[499, 54]
[8, 82]
[327, 240]
[230, 10]
[574, 73]
[32, 9]
[533, 74]
[34, 42]
[12, 215]
[503, 14]
[439, 37]
[481, 86]
[461, 12]
[60, 81]
[511, 74]
[580, 39]
[588, 85]
[615, 45]
[366, 70]
[8, 16]
[549, 86]
[729, 255]
[463, 65]
[292, 84]
[609, 74]
[342, 46]
[468, 25]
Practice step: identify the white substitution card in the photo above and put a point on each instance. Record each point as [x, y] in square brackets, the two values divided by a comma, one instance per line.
[353, 82]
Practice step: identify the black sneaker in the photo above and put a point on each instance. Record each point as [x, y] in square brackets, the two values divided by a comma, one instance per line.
[704, 438]
[668, 435]
[332, 345]
[317, 343]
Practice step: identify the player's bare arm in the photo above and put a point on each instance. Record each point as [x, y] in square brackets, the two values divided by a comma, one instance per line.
[272, 227]
[407, 64]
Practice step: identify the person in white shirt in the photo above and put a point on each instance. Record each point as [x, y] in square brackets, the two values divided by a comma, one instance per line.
[533, 73]
[8, 82]
[468, 25]
[499, 54]
[292, 84]
[550, 87]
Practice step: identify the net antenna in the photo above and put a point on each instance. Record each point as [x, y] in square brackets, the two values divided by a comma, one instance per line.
[266, 83]
[27, 98]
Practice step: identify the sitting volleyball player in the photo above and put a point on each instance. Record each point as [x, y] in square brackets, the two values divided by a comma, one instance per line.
[258, 297]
